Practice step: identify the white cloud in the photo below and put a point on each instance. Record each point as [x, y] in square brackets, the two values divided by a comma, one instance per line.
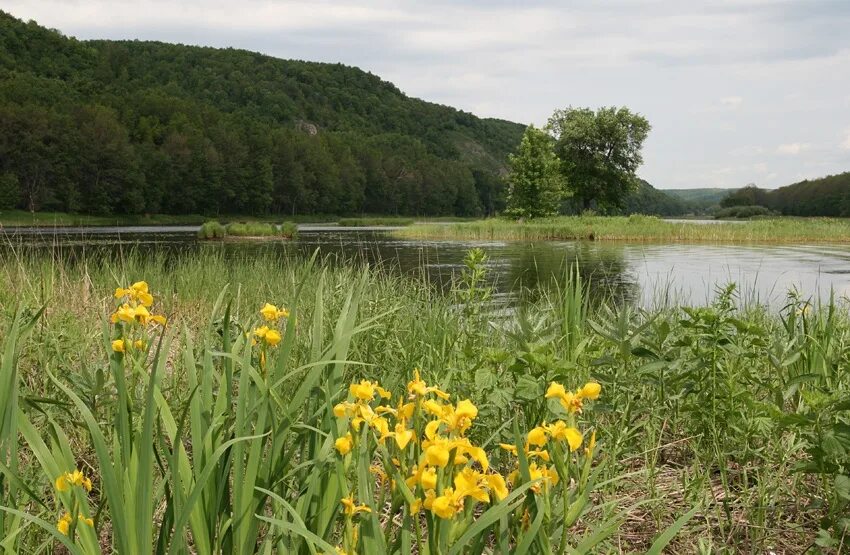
[732, 102]
[792, 148]
[846, 143]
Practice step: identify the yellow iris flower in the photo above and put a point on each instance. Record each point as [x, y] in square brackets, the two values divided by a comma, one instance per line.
[272, 313]
[76, 478]
[64, 524]
[350, 508]
[344, 444]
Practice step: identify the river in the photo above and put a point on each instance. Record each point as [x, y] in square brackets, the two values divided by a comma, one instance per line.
[647, 274]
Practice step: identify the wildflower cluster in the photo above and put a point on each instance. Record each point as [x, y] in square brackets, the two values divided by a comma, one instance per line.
[73, 483]
[268, 335]
[417, 446]
[133, 316]
[264, 334]
[423, 446]
[551, 443]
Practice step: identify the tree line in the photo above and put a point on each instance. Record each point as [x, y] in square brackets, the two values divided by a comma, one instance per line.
[827, 196]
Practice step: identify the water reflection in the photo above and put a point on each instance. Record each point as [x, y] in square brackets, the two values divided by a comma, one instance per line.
[646, 274]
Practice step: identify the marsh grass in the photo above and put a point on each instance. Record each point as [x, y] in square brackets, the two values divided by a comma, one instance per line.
[215, 230]
[732, 416]
[638, 229]
[212, 230]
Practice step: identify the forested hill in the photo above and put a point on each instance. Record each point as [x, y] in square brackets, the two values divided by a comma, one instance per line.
[700, 200]
[826, 196]
[135, 127]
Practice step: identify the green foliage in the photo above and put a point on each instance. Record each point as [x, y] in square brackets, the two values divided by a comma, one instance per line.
[746, 196]
[288, 230]
[646, 199]
[827, 196]
[701, 200]
[600, 152]
[10, 191]
[212, 230]
[107, 127]
[215, 230]
[743, 211]
[535, 184]
[738, 416]
[252, 229]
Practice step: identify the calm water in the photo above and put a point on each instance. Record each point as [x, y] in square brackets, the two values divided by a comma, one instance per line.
[647, 274]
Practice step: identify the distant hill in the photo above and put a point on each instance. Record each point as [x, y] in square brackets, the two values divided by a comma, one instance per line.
[132, 127]
[700, 197]
[826, 196]
[648, 200]
[645, 199]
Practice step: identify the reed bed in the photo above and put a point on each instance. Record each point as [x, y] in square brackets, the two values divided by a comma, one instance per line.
[264, 405]
[639, 229]
[216, 230]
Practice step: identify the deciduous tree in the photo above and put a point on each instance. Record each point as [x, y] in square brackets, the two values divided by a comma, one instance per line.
[599, 152]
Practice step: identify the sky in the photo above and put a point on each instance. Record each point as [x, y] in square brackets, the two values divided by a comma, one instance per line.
[736, 91]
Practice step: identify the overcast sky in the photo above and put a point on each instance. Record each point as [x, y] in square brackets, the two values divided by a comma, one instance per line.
[737, 91]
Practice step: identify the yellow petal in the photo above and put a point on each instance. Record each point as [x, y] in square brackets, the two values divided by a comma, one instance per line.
[437, 455]
[343, 444]
[61, 483]
[537, 436]
[555, 390]
[273, 337]
[403, 437]
[466, 409]
[574, 438]
[590, 390]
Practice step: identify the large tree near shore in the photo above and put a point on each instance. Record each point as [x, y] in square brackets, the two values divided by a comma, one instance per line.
[599, 152]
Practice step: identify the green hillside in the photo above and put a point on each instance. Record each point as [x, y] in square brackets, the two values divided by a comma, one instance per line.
[709, 196]
[648, 200]
[141, 127]
[826, 196]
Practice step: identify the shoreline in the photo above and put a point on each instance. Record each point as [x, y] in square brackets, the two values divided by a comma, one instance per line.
[639, 229]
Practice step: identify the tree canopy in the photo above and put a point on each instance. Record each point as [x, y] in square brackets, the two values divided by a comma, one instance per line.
[535, 183]
[142, 127]
[600, 151]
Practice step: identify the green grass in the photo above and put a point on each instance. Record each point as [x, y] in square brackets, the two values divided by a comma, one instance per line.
[212, 230]
[250, 230]
[639, 229]
[718, 429]
[375, 221]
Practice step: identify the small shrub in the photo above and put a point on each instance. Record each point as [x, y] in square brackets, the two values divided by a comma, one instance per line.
[288, 230]
[212, 230]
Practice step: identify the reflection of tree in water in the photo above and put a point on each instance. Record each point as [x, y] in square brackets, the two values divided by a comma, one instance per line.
[538, 267]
